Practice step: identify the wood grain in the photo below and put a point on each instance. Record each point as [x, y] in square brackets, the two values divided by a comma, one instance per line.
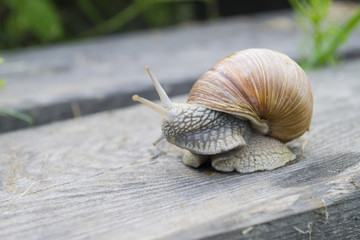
[103, 73]
[99, 177]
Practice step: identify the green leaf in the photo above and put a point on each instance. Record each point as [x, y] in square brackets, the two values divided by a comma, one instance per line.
[15, 114]
[120, 19]
[342, 35]
[18, 115]
[36, 16]
[2, 83]
[90, 10]
[153, 12]
[323, 37]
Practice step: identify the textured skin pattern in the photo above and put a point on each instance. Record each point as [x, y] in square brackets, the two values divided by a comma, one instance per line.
[204, 131]
[261, 153]
[194, 160]
[227, 141]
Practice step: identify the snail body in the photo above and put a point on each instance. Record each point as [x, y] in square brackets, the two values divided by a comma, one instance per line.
[240, 112]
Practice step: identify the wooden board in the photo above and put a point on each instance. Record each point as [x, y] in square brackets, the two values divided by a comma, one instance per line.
[65, 80]
[99, 177]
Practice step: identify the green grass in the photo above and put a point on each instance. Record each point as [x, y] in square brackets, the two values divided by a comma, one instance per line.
[36, 18]
[155, 13]
[33, 22]
[322, 36]
[12, 113]
[17, 115]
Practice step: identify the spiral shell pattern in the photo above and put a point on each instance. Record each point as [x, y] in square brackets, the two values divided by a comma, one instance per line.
[266, 87]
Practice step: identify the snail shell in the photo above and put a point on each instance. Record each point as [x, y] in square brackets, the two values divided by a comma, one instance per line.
[264, 86]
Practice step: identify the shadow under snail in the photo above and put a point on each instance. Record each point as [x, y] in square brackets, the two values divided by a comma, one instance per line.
[240, 113]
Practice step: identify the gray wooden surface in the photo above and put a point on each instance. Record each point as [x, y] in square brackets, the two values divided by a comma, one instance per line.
[99, 177]
[61, 81]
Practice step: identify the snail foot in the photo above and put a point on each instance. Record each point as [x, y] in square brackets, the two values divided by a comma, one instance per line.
[193, 159]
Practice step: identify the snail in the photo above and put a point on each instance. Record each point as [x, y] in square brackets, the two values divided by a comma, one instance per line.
[240, 113]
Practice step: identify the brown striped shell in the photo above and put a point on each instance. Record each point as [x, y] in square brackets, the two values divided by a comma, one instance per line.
[264, 86]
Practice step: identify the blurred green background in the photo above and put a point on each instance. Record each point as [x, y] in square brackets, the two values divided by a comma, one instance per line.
[38, 22]
[33, 22]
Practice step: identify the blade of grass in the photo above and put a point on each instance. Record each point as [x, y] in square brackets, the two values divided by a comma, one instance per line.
[15, 114]
[90, 10]
[342, 35]
[120, 19]
[322, 37]
[18, 115]
[2, 83]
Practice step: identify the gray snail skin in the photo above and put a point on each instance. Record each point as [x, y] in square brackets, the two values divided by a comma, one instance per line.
[240, 113]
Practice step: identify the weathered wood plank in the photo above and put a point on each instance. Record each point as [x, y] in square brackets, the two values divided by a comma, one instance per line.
[100, 74]
[337, 221]
[99, 177]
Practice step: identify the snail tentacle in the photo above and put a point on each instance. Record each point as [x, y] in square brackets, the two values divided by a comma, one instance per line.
[240, 113]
